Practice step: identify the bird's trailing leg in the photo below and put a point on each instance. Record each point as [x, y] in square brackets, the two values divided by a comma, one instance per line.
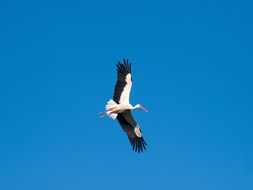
[111, 113]
[111, 110]
[106, 112]
[101, 114]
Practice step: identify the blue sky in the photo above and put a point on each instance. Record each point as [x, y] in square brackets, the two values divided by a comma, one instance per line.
[192, 69]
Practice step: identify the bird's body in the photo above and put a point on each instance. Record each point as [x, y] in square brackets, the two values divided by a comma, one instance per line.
[119, 107]
[114, 108]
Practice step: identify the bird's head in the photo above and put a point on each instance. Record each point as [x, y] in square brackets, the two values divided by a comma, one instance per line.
[141, 107]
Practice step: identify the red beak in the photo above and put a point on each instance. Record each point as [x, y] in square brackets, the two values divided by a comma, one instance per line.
[144, 109]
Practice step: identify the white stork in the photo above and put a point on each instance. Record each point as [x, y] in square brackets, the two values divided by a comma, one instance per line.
[119, 108]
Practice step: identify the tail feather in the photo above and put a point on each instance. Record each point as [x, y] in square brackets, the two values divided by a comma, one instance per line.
[110, 105]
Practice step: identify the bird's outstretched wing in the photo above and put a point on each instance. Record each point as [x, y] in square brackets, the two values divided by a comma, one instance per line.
[133, 131]
[124, 82]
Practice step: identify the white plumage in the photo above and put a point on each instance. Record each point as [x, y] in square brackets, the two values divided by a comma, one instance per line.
[124, 97]
[110, 106]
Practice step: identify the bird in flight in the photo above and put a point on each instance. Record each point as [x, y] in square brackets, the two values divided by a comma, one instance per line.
[119, 107]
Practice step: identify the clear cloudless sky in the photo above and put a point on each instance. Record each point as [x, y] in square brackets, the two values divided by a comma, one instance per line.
[192, 68]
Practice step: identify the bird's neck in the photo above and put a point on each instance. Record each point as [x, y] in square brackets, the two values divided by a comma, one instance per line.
[136, 106]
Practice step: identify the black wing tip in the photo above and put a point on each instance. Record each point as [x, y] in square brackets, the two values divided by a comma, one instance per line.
[124, 66]
[138, 144]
